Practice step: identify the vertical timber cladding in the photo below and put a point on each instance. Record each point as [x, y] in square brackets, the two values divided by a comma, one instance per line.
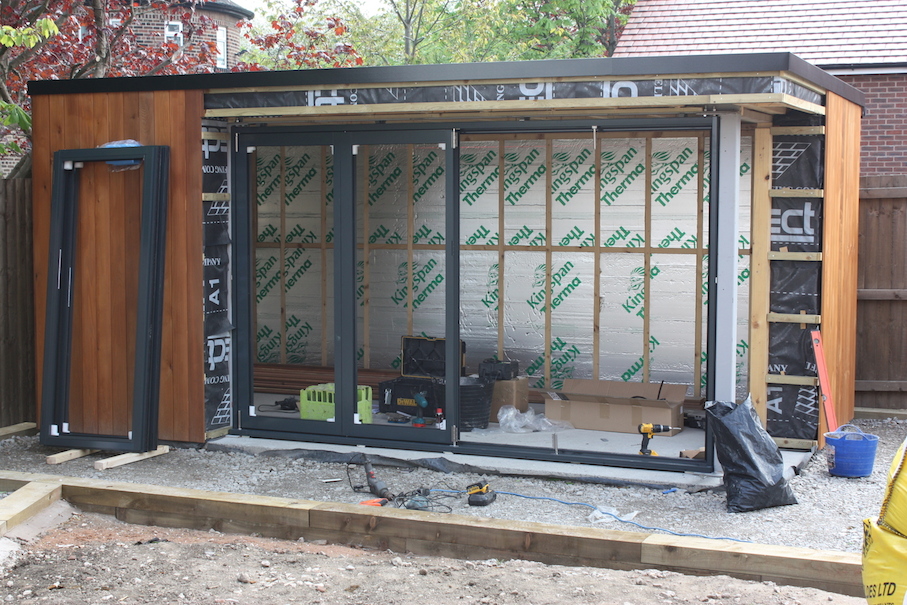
[621, 297]
[79, 121]
[839, 271]
[216, 239]
[798, 175]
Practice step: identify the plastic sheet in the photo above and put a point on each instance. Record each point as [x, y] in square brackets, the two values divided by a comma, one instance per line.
[513, 92]
[217, 278]
[511, 420]
[752, 464]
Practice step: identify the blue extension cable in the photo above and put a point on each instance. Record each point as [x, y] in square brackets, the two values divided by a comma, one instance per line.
[639, 525]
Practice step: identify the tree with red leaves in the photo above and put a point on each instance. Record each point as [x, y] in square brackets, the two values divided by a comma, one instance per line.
[297, 38]
[92, 39]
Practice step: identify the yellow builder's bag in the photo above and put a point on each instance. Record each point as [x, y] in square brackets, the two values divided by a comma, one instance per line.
[885, 541]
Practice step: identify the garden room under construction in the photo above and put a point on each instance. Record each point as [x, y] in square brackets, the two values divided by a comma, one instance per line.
[388, 256]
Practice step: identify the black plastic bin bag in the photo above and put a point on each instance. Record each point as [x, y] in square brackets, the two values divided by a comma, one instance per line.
[752, 464]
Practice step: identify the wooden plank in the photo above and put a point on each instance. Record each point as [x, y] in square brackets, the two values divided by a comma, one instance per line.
[453, 535]
[882, 293]
[834, 571]
[216, 197]
[43, 129]
[795, 256]
[878, 413]
[797, 130]
[825, 390]
[123, 234]
[794, 318]
[21, 429]
[899, 386]
[788, 192]
[522, 538]
[193, 408]
[760, 269]
[840, 250]
[174, 275]
[26, 502]
[73, 454]
[795, 444]
[110, 208]
[787, 379]
[129, 458]
[883, 193]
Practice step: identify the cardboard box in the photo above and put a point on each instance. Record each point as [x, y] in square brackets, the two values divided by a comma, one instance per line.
[697, 454]
[510, 392]
[617, 406]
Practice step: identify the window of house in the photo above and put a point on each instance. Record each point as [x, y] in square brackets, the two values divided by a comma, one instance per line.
[222, 47]
[173, 32]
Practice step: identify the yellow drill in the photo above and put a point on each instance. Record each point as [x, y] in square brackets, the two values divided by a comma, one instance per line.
[648, 431]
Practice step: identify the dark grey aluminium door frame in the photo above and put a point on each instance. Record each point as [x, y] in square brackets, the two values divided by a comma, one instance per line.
[62, 278]
[244, 277]
[344, 144]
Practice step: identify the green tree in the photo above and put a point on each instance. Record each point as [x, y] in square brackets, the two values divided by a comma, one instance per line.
[13, 118]
[462, 31]
[558, 29]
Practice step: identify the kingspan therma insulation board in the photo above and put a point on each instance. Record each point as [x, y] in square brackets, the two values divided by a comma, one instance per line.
[541, 281]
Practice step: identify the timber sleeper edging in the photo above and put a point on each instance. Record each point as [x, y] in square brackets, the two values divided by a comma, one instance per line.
[437, 534]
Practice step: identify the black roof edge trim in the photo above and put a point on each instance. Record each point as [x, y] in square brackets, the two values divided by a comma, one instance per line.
[531, 71]
[900, 65]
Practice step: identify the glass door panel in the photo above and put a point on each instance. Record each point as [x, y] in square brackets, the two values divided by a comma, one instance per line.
[292, 188]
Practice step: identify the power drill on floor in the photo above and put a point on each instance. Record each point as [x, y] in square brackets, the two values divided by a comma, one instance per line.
[648, 431]
[375, 485]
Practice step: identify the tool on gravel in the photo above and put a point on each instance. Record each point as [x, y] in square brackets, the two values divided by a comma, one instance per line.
[375, 485]
[480, 494]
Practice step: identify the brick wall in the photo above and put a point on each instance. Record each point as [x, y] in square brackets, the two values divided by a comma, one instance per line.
[149, 30]
[884, 137]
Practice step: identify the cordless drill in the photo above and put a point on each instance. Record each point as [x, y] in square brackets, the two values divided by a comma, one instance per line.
[648, 430]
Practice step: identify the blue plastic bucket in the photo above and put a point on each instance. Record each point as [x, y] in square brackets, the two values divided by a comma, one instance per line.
[850, 453]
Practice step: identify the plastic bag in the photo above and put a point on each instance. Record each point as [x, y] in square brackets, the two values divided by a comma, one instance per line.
[511, 420]
[885, 540]
[884, 565]
[752, 463]
[893, 515]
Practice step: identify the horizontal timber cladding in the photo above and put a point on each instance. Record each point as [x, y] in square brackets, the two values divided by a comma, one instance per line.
[82, 121]
[881, 364]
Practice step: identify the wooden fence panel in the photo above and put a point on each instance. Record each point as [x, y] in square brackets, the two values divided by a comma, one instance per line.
[17, 326]
[882, 295]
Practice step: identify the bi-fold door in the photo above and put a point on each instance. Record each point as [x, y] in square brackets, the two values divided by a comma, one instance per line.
[349, 240]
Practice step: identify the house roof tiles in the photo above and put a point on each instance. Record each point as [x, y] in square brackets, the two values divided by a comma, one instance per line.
[823, 32]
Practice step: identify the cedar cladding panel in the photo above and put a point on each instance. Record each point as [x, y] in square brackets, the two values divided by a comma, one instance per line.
[101, 393]
[839, 257]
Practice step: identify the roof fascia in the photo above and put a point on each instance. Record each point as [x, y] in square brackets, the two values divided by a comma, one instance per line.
[531, 71]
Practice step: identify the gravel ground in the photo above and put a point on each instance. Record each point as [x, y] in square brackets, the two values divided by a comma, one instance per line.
[828, 516]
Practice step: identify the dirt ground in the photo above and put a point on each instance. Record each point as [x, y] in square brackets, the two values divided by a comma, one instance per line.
[93, 558]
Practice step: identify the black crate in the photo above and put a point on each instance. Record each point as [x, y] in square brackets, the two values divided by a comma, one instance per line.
[397, 395]
[493, 369]
[425, 357]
